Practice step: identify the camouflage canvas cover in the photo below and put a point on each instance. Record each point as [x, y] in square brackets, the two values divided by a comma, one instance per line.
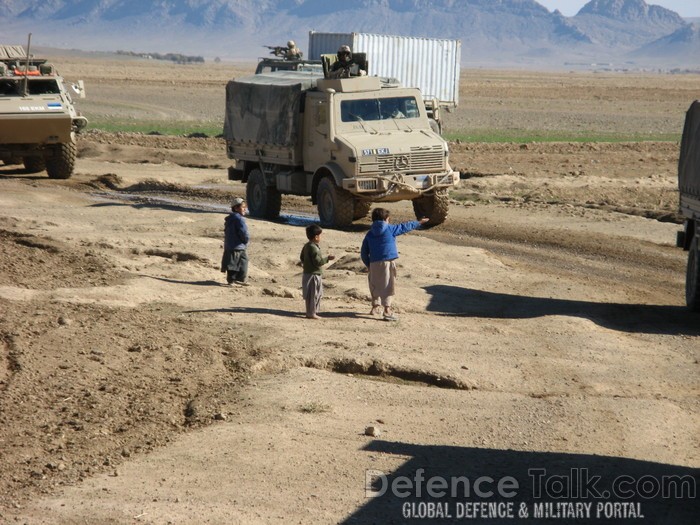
[266, 108]
[689, 159]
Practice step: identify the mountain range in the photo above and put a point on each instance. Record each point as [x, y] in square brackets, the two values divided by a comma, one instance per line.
[623, 33]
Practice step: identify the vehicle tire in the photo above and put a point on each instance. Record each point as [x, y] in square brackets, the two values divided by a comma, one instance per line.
[33, 164]
[692, 277]
[263, 201]
[335, 205]
[61, 163]
[361, 209]
[13, 160]
[435, 207]
[435, 126]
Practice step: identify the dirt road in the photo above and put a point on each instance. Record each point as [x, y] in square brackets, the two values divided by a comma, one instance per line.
[541, 337]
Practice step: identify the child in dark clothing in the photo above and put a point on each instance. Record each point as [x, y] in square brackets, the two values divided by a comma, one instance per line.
[311, 280]
[234, 261]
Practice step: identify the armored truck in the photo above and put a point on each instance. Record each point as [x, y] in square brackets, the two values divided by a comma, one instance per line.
[346, 142]
[38, 122]
[689, 189]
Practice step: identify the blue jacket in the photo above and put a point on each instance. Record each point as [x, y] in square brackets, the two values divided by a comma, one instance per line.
[236, 235]
[380, 241]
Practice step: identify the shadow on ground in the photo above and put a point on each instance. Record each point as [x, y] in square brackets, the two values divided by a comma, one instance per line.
[542, 487]
[635, 318]
[273, 311]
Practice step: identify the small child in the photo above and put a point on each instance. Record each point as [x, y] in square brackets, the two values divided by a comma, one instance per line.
[312, 261]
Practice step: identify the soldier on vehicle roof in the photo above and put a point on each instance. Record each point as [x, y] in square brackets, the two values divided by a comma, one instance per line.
[345, 66]
[293, 52]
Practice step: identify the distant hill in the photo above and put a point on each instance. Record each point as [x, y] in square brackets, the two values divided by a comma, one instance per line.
[683, 42]
[626, 24]
[493, 32]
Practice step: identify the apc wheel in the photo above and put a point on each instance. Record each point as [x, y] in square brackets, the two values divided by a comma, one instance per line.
[692, 277]
[361, 209]
[33, 164]
[335, 205]
[263, 201]
[61, 163]
[12, 160]
[434, 207]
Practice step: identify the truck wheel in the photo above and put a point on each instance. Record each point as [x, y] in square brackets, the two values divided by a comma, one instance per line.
[692, 277]
[335, 205]
[13, 160]
[263, 201]
[61, 163]
[435, 126]
[434, 207]
[361, 209]
[34, 164]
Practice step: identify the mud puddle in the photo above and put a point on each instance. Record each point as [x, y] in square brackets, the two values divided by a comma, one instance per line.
[292, 218]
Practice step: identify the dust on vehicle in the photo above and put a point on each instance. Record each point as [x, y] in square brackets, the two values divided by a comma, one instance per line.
[346, 142]
[38, 121]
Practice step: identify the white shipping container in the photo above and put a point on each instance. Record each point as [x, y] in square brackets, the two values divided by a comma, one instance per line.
[430, 64]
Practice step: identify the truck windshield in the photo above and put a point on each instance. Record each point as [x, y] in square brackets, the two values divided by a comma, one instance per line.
[378, 109]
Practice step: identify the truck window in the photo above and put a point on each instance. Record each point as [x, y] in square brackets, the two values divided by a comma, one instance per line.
[379, 109]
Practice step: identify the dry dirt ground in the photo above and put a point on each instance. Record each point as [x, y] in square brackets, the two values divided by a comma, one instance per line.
[542, 331]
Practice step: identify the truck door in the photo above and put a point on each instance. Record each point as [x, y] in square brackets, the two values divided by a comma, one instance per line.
[316, 133]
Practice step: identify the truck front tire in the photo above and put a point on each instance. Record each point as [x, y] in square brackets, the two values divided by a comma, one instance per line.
[692, 277]
[335, 205]
[263, 201]
[361, 209]
[60, 164]
[434, 207]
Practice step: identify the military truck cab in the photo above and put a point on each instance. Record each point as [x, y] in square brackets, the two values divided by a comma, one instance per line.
[346, 142]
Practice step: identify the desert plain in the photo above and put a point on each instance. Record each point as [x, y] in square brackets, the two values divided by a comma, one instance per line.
[542, 334]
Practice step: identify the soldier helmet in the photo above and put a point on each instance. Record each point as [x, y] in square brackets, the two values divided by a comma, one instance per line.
[344, 50]
[291, 44]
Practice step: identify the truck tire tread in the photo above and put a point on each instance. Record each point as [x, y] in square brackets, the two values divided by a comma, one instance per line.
[435, 207]
[263, 201]
[692, 278]
[60, 165]
[335, 205]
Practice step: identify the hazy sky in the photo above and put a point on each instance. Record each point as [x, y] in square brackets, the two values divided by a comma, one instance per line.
[685, 8]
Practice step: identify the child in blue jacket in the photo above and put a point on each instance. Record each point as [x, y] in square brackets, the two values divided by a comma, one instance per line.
[378, 253]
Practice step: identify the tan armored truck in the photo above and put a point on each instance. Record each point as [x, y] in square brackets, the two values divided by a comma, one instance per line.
[38, 121]
[346, 142]
[689, 189]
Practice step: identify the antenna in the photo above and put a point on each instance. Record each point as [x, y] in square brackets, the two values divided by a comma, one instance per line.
[26, 67]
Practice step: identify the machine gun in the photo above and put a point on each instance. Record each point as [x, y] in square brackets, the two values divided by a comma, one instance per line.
[278, 51]
[286, 53]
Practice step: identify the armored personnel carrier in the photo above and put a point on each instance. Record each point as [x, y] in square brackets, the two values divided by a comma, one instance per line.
[38, 122]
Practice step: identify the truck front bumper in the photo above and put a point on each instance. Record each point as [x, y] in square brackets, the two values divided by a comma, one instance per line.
[400, 187]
